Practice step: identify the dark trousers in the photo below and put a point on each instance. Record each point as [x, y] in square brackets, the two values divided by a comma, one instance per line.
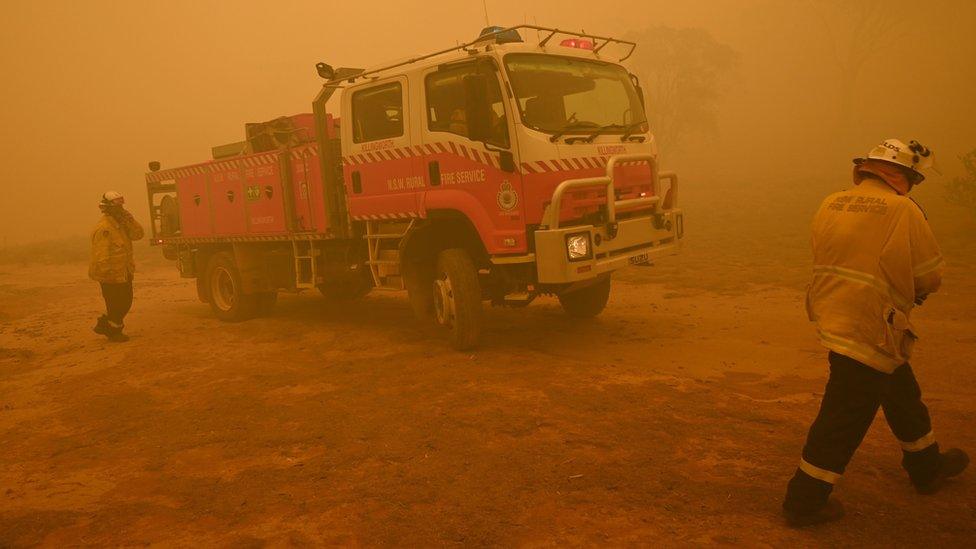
[118, 300]
[851, 399]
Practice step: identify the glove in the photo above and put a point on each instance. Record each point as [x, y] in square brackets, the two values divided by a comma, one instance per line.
[919, 299]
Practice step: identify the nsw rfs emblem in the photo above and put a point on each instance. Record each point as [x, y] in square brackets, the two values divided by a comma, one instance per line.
[507, 197]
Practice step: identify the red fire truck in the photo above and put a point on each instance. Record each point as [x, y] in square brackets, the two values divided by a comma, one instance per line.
[515, 165]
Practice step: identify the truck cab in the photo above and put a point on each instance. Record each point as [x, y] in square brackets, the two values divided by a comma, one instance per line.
[534, 157]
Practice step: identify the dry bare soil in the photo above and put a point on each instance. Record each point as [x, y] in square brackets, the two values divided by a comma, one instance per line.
[677, 416]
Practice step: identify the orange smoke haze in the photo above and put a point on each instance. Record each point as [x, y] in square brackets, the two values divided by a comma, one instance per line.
[94, 90]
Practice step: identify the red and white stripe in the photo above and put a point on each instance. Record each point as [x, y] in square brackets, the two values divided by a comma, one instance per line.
[427, 149]
[378, 217]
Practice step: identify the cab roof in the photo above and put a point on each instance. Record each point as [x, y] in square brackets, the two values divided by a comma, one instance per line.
[502, 40]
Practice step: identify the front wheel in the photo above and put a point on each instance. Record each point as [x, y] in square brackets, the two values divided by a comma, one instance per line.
[587, 302]
[457, 297]
[227, 297]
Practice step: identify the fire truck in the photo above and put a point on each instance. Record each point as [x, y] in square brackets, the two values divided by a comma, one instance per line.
[516, 165]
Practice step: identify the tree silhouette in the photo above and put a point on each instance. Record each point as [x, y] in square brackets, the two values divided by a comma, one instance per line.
[962, 190]
[681, 71]
[858, 31]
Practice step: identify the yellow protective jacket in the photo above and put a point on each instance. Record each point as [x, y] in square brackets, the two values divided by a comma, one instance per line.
[111, 251]
[874, 257]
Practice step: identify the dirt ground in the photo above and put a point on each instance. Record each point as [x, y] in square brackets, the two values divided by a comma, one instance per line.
[677, 415]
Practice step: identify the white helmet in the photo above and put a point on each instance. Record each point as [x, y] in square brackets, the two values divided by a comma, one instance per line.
[111, 196]
[913, 156]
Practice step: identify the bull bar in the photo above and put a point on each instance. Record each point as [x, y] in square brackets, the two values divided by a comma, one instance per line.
[634, 240]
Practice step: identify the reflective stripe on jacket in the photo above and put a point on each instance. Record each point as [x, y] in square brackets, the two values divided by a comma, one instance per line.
[111, 251]
[874, 256]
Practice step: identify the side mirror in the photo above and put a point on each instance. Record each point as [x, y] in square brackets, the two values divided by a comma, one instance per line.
[640, 90]
[476, 108]
[325, 71]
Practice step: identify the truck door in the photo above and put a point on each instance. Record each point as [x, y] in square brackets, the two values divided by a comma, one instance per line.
[468, 147]
[380, 168]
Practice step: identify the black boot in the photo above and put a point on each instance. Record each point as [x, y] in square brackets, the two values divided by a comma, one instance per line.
[951, 463]
[833, 510]
[115, 334]
[101, 327]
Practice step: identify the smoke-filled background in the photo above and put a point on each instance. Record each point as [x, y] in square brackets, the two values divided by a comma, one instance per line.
[758, 104]
[678, 414]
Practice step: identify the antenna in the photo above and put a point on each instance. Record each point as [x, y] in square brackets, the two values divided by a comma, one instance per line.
[485, 4]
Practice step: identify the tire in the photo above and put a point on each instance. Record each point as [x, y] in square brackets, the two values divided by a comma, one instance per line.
[354, 286]
[266, 302]
[203, 289]
[227, 299]
[457, 297]
[587, 302]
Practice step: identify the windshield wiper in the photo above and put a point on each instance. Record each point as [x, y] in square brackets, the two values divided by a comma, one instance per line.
[571, 127]
[603, 129]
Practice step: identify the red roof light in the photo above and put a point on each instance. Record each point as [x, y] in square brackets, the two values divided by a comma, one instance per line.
[580, 43]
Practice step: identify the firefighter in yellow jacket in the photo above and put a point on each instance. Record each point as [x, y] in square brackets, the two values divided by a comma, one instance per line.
[112, 265]
[875, 259]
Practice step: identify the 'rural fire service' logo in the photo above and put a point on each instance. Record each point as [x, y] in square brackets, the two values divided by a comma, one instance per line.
[507, 197]
[230, 196]
[268, 191]
[196, 199]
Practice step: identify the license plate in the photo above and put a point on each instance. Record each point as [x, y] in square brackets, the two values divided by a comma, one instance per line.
[640, 259]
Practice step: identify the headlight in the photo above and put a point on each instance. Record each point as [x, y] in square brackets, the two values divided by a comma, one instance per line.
[578, 246]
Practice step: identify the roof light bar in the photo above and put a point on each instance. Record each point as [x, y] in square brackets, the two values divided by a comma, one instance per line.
[580, 43]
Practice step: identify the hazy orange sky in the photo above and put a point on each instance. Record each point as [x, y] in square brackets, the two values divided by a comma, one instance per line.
[96, 89]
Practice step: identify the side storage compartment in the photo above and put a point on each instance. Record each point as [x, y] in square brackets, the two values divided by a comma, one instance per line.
[193, 198]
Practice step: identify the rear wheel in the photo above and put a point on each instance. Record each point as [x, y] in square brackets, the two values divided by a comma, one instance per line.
[587, 302]
[457, 297]
[227, 298]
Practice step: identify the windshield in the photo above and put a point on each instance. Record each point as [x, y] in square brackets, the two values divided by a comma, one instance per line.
[560, 94]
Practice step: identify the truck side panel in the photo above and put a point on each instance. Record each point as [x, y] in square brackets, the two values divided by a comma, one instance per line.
[227, 197]
[310, 212]
[194, 205]
[264, 195]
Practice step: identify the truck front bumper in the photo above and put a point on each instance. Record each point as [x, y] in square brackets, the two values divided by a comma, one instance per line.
[636, 241]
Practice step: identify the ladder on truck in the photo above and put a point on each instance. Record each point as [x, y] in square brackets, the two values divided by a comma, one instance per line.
[306, 263]
[383, 242]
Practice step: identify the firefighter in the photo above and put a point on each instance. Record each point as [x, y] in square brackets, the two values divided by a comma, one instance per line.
[875, 258]
[112, 265]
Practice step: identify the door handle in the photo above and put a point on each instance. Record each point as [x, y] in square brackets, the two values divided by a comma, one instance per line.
[357, 182]
[434, 171]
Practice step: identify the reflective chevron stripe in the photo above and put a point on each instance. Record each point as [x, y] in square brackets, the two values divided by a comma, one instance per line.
[861, 352]
[920, 444]
[927, 267]
[818, 473]
[865, 279]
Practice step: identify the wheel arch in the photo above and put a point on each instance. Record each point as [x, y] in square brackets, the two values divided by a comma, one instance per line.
[201, 262]
[442, 229]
